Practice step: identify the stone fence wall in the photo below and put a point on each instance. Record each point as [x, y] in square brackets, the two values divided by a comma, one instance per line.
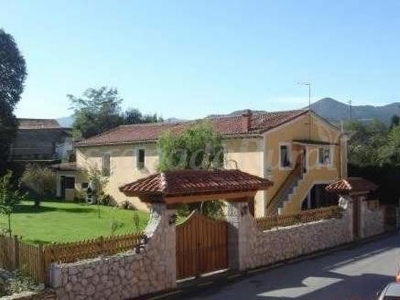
[261, 248]
[131, 274]
[126, 275]
[372, 221]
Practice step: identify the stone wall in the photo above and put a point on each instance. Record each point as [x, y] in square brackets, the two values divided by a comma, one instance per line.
[372, 221]
[126, 275]
[261, 248]
[129, 275]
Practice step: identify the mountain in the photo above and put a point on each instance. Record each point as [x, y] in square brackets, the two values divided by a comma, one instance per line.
[66, 121]
[234, 113]
[328, 108]
[335, 111]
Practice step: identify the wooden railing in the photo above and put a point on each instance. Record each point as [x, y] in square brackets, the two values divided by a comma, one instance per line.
[269, 222]
[35, 260]
[293, 175]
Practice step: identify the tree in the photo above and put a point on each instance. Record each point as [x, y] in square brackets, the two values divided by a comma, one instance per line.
[12, 78]
[96, 111]
[97, 185]
[9, 198]
[197, 147]
[40, 180]
[389, 152]
[366, 139]
[134, 116]
[395, 121]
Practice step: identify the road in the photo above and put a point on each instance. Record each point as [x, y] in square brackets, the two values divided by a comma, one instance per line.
[352, 274]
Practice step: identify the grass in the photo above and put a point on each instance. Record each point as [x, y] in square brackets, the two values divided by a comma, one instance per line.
[56, 221]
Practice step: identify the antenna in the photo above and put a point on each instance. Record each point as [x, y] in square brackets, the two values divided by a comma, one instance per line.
[308, 84]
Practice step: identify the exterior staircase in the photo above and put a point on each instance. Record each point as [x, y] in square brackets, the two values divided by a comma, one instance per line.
[287, 189]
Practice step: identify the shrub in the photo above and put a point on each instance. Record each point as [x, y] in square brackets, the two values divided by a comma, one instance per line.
[105, 199]
[20, 283]
[41, 181]
[127, 205]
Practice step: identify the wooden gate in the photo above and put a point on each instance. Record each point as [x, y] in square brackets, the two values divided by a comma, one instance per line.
[201, 246]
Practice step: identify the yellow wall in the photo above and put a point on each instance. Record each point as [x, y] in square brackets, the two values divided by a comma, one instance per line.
[257, 156]
[122, 166]
[316, 173]
[245, 154]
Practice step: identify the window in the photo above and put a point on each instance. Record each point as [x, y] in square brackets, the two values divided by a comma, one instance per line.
[284, 154]
[140, 157]
[324, 155]
[105, 168]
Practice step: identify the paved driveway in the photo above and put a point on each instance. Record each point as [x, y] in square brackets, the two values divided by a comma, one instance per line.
[352, 274]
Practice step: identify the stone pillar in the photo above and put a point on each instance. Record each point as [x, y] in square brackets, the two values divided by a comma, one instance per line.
[240, 225]
[346, 202]
[161, 230]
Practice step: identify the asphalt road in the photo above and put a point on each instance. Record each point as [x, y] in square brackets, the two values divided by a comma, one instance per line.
[352, 274]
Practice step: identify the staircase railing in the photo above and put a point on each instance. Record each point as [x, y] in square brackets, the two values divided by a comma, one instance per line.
[295, 174]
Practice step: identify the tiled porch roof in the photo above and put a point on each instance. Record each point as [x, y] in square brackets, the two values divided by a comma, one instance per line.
[351, 185]
[195, 182]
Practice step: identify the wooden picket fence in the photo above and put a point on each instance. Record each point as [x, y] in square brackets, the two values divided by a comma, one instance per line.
[35, 260]
[269, 222]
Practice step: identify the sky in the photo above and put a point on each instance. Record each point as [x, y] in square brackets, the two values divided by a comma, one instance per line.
[188, 59]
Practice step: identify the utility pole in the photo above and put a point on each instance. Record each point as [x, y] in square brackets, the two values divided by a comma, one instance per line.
[308, 84]
[350, 110]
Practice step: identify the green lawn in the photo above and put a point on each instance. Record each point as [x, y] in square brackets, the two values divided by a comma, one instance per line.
[57, 221]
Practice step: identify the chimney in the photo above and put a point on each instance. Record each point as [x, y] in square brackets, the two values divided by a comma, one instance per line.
[246, 120]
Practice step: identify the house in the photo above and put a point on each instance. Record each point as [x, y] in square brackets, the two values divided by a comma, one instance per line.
[298, 150]
[39, 139]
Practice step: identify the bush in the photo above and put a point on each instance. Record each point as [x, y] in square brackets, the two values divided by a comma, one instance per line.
[105, 199]
[19, 283]
[127, 205]
[40, 181]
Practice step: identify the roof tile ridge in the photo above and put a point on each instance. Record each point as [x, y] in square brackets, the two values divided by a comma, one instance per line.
[111, 130]
[163, 184]
[347, 183]
[151, 124]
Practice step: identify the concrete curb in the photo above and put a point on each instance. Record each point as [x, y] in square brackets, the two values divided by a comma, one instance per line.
[189, 289]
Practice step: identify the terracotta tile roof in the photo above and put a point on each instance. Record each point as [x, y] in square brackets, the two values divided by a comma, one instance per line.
[227, 126]
[195, 182]
[351, 185]
[38, 124]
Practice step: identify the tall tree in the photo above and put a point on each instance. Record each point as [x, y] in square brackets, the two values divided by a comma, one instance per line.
[12, 77]
[96, 111]
[366, 139]
[197, 147]
[134, 116]
[395, 121]
[389, 152]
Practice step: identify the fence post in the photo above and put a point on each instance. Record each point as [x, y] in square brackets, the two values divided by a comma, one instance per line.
[101, 244]
[15, 252]
[42, 268]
